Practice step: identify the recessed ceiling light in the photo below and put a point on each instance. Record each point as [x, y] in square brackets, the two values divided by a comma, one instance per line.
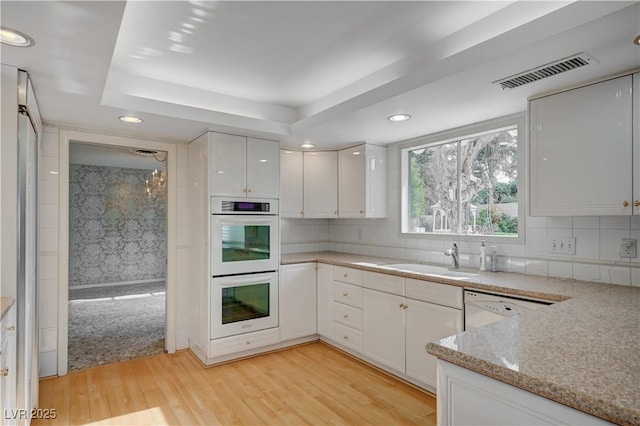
[307, 145]
[15, 38]
[130, 119]
[637, 40]
[399, 117]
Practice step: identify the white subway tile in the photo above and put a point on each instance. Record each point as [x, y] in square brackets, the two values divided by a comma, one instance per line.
[49, 240]
[560, 269]
[586, 222]
[615, 222]
[610, 241]
[586, 272]
[565, 223]
[536, 267]
[48, 314]
[48, 216]
[49, 267]
[616, 275]
[587, 243]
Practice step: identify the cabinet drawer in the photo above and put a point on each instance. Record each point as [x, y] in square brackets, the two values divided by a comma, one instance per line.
[347, 294]
[347, 315]
[383, 282]
[347, 275]
[244, 342]
[347, 336]
[440, 294]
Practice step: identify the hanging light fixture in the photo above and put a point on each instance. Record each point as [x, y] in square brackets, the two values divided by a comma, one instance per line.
[158, 181]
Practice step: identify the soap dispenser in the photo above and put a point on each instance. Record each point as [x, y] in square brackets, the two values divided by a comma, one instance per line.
[483, 256]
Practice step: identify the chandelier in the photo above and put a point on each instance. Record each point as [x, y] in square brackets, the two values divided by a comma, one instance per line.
[158, 181]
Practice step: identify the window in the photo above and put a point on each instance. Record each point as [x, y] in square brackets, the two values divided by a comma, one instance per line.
[464, 182]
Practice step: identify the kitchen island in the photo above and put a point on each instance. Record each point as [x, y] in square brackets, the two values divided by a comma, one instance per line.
[583, 352]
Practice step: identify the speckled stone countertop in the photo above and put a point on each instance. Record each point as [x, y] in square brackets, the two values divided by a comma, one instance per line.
[5, 304]
[583, 352]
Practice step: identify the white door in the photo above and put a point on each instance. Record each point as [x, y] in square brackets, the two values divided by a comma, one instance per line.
[263, 159]
[426, 322]
[383, 328]
[321, 184]
[297, 300]
[228, 156]
[291, 183]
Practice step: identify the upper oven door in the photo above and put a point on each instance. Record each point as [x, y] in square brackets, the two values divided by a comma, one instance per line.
[243, 244]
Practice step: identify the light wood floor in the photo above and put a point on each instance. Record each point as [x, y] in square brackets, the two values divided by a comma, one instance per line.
[306, 385]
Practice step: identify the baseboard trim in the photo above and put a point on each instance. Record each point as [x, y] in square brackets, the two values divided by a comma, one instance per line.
[153, 280]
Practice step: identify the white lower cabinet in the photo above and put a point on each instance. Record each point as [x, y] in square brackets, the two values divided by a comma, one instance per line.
[383, 327]
[466, 397]
[400, 318]
[298, 301]
[325, 300]
[424, 323]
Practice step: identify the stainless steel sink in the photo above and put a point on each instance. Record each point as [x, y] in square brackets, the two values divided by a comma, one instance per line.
[431, 270]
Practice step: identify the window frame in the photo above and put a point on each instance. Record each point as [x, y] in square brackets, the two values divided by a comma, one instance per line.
[465, 132]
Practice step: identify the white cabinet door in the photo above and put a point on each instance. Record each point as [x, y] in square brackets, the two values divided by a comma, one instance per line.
[263, 159]
[383, 328]
[426, 322]
[325, 300]
[362, 182]
[291, 183]
[581, 151]
[228, 159]
[320, 184]
[351, 182]
[298, 300]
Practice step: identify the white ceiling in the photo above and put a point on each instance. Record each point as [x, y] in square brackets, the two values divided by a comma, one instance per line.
[325, 72]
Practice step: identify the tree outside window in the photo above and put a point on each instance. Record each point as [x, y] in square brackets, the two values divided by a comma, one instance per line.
[465, 186]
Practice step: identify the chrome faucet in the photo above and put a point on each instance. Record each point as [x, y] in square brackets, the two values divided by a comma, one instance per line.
[453, 252]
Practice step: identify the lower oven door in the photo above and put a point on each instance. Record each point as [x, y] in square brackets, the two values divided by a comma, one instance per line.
[243, 244]
[243, 303]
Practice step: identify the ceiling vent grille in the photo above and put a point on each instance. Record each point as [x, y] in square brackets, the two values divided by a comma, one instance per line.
[546, 70]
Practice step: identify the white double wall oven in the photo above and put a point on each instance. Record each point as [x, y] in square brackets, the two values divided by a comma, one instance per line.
[244, 265]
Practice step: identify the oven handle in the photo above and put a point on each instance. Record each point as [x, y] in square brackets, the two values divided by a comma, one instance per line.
[232, 281]
[243, 220]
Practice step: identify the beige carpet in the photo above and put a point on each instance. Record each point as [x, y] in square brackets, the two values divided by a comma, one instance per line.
[111, 324]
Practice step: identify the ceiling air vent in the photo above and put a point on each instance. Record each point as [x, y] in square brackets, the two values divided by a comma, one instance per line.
[546, 70]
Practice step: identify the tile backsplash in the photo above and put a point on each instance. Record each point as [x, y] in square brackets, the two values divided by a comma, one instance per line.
[597, 255]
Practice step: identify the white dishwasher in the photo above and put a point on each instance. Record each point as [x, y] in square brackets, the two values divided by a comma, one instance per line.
[484, 308]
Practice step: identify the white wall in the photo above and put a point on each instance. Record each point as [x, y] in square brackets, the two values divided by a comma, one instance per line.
[597, 255]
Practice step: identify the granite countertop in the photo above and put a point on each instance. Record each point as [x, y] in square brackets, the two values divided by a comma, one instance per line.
[5, 304]
[583, 352]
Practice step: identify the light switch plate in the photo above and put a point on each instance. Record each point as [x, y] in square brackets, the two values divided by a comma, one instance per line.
[564, 245]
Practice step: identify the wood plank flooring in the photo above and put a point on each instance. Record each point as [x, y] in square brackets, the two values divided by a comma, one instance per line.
[305, 385]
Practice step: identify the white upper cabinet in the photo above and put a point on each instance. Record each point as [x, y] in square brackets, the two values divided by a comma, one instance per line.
[362, 182]
[581, 151]
[320, 183]
[243, 167]
[291, 183]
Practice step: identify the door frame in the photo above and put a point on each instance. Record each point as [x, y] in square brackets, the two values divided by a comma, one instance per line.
[66, 137]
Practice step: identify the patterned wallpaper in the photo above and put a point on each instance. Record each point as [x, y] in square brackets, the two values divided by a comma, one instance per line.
[116, 233]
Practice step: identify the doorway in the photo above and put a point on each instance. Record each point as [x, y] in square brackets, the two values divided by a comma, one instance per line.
[131, 291]
[117, 253]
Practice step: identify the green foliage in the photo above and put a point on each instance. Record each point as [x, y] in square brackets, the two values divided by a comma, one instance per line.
[502, 193]
[418, 191]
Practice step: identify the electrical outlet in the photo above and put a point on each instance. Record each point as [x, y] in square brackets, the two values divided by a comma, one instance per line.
[629, 248]
[565, 245]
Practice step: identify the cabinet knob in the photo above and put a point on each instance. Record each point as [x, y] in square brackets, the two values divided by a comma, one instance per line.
[4, 372]
[301, 212]
[248, 342]
[345, 294]
[335, 213]
[625, 203]
[636, 203]
[345, 337]
[11, 328]
[248, 190]
[346, 275]
[361, 211]
[345, 316]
